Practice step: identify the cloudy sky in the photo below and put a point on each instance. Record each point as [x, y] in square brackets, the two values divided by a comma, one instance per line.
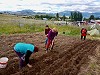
[50, 5]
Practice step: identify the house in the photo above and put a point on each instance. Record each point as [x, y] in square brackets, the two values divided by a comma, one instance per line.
[97, 22]
[60, 22]
[45, 19]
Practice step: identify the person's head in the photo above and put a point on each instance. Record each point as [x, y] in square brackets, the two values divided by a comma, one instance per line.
[36, 49]
[46, 26]
[54, 30]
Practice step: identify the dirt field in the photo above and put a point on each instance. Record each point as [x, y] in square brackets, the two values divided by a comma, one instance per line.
[67, 57]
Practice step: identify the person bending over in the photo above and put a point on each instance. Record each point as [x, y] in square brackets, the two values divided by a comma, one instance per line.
[24, 51]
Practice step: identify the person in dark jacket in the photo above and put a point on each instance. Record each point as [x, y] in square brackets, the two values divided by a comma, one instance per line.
[24, 51]
[51, 35]
[83, 33]
[47, 29]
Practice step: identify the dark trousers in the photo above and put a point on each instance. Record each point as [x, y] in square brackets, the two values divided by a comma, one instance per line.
[83, 37]
[26, 60]
[21, 63]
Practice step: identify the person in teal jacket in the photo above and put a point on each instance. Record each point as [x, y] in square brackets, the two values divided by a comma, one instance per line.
[24, 51]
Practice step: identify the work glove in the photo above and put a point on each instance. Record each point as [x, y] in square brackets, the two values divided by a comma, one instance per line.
[23, 57]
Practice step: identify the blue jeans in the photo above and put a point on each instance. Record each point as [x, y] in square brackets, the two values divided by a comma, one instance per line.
[46, 41]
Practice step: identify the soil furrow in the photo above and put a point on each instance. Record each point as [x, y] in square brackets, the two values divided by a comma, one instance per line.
[73, 65]
[56, 64]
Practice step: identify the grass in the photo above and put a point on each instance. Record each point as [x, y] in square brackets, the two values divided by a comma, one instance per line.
[68, 30]
[11, 24]
[12, 29]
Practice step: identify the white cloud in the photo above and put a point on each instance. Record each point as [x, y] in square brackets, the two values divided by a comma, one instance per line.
[50, 5]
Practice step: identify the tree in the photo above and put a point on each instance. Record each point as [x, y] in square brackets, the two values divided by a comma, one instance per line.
[76, 16]
[64, 17]
[41, 16]
[36, 16]
[72, 17]
[97, 18]
[91, 17]
[80, 16]
[57, 16]
[44, 16]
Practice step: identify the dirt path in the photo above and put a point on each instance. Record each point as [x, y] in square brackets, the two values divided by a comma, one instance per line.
[66, 58]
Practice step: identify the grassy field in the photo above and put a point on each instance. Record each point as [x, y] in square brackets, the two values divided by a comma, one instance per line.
[11, 24]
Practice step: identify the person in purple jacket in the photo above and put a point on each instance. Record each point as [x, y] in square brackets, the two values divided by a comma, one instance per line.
[51, 35]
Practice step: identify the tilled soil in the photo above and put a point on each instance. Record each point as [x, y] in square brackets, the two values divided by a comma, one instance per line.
[67, 57]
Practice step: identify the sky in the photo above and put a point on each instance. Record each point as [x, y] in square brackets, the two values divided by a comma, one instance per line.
[51, 5]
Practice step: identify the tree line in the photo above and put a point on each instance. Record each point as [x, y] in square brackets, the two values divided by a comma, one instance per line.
[74, 16]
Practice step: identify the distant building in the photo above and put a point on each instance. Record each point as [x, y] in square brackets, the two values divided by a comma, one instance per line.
[60, 22]
[97, 22]
[45, 19]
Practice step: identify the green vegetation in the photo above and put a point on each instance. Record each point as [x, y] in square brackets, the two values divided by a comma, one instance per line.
[12, 29]
[10, 24]
[91, 17]
[43, 16]
[76, 16]
[68, 30]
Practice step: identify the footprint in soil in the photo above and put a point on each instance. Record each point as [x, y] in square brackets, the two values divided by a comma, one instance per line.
[32, 61]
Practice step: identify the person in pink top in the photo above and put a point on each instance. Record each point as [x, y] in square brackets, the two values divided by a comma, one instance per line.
[51, 35]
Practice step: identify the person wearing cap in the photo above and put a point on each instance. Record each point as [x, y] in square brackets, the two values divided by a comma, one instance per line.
[83, 33]
[47, 29]
[24, 51]
[51, 35]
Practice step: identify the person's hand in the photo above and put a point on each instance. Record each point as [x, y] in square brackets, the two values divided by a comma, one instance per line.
[53, 40]
[46, 35]
[23, 57]
[29, 65]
